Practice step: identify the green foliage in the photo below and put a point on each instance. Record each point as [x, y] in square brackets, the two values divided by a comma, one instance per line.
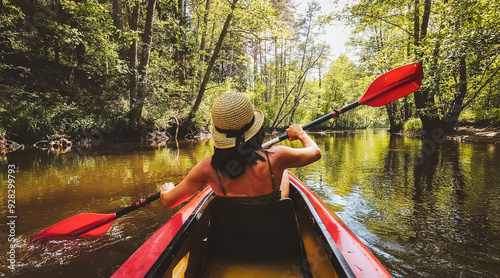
[67, 66]
[345, 83]
[458, 49]
[60, 69]
[413, 125]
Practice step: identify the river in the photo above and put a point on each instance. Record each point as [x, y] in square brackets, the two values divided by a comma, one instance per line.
[424, 209]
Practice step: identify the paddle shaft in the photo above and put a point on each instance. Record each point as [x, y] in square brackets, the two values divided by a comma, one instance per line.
[94, 225]
[137, 205]
[325, 118]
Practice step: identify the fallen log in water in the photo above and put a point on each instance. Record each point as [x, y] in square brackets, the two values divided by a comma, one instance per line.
[8, 146]
[55, 143]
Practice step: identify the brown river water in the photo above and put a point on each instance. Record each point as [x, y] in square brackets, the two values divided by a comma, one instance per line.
[424, 209]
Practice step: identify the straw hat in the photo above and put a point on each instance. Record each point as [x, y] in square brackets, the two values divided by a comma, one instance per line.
[234, 119]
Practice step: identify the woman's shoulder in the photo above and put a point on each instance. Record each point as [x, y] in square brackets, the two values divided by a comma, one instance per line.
[203, 167]
[205, 163]
[278, 153]
[279, 150]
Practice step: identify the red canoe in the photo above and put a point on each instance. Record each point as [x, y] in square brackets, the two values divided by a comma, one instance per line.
[294, 237]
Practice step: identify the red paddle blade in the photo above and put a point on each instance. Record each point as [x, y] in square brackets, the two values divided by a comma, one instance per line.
[83, 225]
[393, 85]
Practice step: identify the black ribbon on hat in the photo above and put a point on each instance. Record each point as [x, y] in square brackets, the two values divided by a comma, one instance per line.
[238, 134]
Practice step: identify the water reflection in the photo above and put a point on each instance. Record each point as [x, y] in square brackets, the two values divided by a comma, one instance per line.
[52, 187]
[423, 213]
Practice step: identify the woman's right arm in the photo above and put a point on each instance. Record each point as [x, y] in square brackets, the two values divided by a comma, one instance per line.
[195, 181]
[298, 157]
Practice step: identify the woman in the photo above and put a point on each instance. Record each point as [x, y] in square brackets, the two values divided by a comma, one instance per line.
[240, 168]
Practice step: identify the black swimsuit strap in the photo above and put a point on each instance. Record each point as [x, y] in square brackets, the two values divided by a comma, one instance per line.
[270, 171]
[220, 183]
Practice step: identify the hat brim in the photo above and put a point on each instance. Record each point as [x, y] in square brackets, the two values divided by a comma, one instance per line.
[223, 142]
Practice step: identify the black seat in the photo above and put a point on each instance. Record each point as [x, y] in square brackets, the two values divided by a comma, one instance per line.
[254, 231]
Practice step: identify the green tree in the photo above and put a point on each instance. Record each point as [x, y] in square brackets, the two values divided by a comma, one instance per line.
[139, 78]
[60, 68]
[456, 42]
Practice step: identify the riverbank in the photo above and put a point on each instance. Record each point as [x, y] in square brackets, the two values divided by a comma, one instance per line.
[466, 133]
[487, 134]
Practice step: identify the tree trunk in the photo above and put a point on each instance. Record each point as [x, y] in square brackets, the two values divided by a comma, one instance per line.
[255, 54]
[229, 65]
[302, 63]
[276, 70]
[297, 87]
[452, 116]
[80, 54]
[180, 50]
[296, 102]
[133, 61]
[264, 73]
[136, 112]
[117, 14]
[211, 63]
[425, 19]
[416, 23]
[319, 75]
[204, 33]
[203, 44]
[392, 118]
[422, 96]
[305, 45]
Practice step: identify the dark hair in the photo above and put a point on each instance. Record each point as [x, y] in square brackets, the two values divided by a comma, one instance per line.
[231, 162]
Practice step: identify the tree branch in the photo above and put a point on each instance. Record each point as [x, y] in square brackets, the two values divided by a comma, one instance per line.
[481, 88]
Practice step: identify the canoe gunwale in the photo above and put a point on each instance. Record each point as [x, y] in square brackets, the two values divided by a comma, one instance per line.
[163, 262]
[336, 257]
[360, 259]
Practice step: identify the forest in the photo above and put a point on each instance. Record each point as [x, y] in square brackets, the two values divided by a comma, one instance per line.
[124, 68]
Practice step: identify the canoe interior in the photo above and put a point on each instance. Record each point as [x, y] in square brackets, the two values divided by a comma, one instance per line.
[191, 255]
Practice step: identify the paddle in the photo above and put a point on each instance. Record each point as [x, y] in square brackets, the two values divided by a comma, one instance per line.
[387, 88]
[90, 224]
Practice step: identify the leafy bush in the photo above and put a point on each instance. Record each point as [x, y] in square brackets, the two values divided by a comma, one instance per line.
[413, 125]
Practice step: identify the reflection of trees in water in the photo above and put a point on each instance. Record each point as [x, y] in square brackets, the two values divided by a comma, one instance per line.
[449, 224]
[441, 168]
[434, 212]
[449, 221]
[435, 172]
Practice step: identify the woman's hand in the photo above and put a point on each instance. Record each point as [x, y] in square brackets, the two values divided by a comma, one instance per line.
[166, 187]
[294, 132]
[299, 157]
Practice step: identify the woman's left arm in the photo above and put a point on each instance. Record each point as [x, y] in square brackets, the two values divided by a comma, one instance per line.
[195, 180]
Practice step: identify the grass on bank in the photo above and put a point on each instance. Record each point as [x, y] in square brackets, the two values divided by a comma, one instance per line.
[413, 125]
